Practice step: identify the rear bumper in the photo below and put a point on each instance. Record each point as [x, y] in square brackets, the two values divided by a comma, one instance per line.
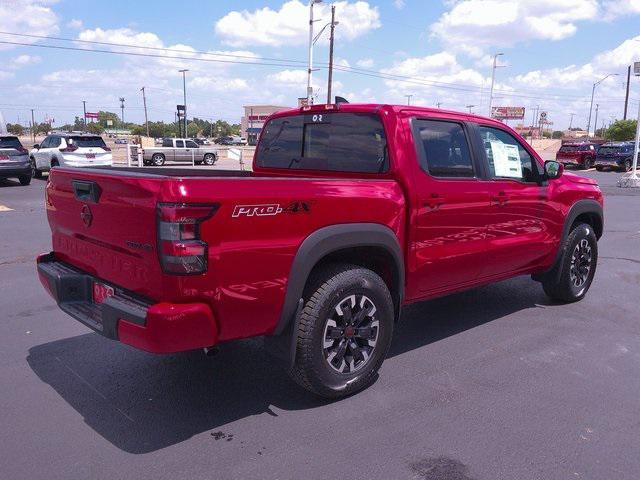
[610, 162]
[10, 171]
[570, 160]
[153, 327]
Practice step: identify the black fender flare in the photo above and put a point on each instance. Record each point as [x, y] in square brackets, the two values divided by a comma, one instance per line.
[581, 206]
[328, 240]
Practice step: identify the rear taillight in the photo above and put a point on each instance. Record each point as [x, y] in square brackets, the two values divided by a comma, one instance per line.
[70, 148]
[106, 149]
[22, 150]
[180, 248]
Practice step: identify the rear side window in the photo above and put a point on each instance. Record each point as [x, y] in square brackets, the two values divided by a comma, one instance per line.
[179, 143]
[443, 149]
[344, 142]
[88, 142]
[10, 142]
[167, 142]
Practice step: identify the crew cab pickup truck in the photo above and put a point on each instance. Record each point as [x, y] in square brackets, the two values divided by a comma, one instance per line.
[350, 213]
[179, 150]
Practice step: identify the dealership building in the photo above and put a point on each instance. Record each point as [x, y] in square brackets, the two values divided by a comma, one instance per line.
[253, 120]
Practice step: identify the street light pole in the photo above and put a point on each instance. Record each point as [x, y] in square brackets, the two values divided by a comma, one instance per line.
[310, 66]
[184, 97]
[571, 120]
[122, 110]
[470, 107]
[409, 97]
[593, 90]
[331, 39]
[595, 124]
[493, 79]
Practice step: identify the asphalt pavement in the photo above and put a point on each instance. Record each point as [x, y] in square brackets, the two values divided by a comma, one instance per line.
[494, 383]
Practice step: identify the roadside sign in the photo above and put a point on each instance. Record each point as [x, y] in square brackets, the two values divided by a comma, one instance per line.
[93, 115]
[507, 113]
[303, 101]
[180, 108]
[636, 68]
[109, 123]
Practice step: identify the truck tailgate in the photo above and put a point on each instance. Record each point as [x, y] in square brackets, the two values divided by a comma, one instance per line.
[105, 225]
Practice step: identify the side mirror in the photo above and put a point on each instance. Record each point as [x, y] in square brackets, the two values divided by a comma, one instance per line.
[553, 169]
[36, 146]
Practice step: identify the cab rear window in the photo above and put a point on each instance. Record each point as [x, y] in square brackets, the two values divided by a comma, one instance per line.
[344, 142]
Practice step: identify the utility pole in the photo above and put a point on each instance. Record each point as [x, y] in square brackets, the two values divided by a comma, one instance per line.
[184, 94]
[595, 124]
[144, 101]
[438, 104]
[571, 120]
[331, 38]
[626, 97]
[409, 97]
[84, 122]
[310, 66]
[493, 79]
[122, 110]
[33, 126]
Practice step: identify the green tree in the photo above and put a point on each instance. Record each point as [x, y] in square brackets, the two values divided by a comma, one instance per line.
[622, 130]
[557, 134]
[43, 128]
[15, 128]
[104, 116]
[94, 127]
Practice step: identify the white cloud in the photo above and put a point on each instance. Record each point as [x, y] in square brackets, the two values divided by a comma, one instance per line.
[24, 61]
[399, 4]
[289, 24]
[365, 63]
[125, 36]
[75, 24]
[29, 16]
[612, 9]
[473, 25]
[289, 77]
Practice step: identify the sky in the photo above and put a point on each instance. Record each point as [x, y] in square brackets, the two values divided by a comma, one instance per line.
[255, 52]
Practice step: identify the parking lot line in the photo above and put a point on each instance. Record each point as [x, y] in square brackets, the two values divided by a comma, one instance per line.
[4, 208]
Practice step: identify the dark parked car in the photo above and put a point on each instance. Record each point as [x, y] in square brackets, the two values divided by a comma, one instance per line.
[14, 160]
[618, 155]
[581, 154]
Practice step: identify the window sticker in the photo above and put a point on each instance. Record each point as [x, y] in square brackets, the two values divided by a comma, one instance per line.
[506, 160]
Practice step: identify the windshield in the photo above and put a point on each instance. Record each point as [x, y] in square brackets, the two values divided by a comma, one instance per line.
[10, 142]
[346, 142]
[88, 142]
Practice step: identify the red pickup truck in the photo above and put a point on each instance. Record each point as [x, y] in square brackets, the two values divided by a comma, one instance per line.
[350, 213]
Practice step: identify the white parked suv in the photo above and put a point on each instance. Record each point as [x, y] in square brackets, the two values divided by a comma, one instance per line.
[70, 150]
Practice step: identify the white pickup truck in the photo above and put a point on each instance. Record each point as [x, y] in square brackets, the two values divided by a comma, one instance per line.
[179, 150]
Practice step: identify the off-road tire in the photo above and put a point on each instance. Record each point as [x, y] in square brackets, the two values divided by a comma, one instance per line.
[327, 289]
[559, 285]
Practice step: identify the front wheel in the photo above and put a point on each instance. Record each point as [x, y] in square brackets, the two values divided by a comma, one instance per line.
[599, 168]
[577, 266]
[588, 163]
[24, 180]
[344, 331]
[209, 159]
[35, 173]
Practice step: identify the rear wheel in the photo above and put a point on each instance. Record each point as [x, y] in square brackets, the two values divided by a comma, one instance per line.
[24, 180]
[344, 331]
[209, 159]
[599, 168]
[157, 159]
[577, 266]
[628, 164]
[588, 163]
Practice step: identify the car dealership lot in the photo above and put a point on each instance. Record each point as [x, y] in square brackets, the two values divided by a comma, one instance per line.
[492, 383]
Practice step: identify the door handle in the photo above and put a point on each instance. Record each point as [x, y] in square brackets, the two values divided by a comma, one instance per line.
[500, 199]
[434, 201]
